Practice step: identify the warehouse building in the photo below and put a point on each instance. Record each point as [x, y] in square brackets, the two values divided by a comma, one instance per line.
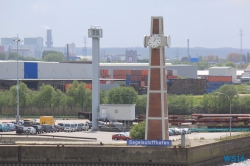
[58, 74]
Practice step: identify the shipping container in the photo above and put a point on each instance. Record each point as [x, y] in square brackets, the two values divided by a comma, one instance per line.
[169, 72]
[144, 72]
[127, 82]
[136, 72]
[128, 77]
[120, 72]
[66, 86]
[105, 72]
[88, 86]
[135, 83]
[172, 77]
[128, 71]
[138, 78]
[120, 82]
[219, 78]
[102, 82]
[223, 71]
[120, 77]
[214, 84]
[143, 83]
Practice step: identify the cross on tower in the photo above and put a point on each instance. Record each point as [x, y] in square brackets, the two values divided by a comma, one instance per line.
[157, 109]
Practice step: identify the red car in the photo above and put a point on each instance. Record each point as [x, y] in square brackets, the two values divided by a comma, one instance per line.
[120, 136]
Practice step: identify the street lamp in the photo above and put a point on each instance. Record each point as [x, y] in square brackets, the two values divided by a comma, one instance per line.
[230, 108]
[18, 86]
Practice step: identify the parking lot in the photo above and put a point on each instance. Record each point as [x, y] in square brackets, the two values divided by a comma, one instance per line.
[106, 137]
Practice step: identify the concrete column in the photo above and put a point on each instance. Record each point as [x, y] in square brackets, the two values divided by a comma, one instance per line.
[95, 82]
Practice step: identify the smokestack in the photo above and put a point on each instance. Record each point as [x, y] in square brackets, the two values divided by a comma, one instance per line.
[49, 42]
[67, 52]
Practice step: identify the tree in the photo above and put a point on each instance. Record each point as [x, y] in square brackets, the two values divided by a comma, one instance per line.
[202, 65]
[24, 98]
[180, 104]
[219, 64]
[45, 96]
[79, 94]
[13, 56]
[143, 60]
[47, 52]
[226, 94]
[141, 104]
[229, 90]
[3, 56]
[200, 58]
[138, 131]
[211, 58]
[234, 57]
[103, 97]
[230, 64]
[122, 95]
[54, 57]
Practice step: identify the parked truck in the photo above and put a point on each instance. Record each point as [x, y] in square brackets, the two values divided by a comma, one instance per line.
[47, 120]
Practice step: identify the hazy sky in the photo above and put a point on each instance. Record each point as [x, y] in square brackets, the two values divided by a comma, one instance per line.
[206, 23]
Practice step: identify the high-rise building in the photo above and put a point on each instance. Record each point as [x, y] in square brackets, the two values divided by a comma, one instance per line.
[49, 41]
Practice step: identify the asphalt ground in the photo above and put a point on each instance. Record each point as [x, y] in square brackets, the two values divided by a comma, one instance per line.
[195, 139]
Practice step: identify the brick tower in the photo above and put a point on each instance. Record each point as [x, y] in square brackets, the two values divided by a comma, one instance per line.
[157, 109]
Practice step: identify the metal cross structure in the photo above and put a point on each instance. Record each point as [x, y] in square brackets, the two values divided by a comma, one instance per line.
[95, 32]
[157, 108]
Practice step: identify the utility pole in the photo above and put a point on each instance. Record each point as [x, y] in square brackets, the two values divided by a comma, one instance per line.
[177, 55]
[241, 41]
[85, 46]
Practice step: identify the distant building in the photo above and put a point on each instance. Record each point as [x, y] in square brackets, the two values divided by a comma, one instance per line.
[1, 48]
[72, 49]
[185, 59]
[31, 46]
[49, 41]
[35, 45]
[131, 56]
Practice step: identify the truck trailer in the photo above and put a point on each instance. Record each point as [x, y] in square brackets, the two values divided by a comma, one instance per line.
[47, 120]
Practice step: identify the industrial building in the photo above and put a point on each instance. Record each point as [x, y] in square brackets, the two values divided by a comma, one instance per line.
[57, 74]
[32, 47]
[61, 74]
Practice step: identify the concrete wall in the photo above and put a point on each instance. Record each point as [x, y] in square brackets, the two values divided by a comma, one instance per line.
[211, 154]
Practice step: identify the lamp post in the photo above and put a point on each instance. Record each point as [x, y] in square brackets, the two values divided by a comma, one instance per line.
[230, 109]
[18, 86]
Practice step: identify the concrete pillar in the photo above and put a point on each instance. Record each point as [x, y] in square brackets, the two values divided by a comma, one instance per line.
[95, 82]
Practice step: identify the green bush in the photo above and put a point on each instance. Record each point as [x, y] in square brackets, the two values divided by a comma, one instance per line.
[138, 131]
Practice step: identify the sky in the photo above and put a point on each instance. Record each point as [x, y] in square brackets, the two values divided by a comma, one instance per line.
[206, 23]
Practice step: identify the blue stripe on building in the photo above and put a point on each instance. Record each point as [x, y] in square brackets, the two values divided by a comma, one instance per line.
[30, 70]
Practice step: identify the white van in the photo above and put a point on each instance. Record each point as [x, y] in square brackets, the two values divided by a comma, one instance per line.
[85, 126]
[79, 127]
[68, 128]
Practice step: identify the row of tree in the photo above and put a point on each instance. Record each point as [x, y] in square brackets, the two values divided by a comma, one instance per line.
[47, 55]
[78, 96]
